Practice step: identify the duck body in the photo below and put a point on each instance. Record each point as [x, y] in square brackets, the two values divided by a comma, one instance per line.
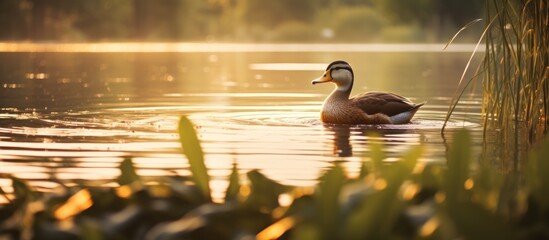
[366, 108]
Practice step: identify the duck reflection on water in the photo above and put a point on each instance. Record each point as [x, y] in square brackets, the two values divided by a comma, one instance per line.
[363, 135]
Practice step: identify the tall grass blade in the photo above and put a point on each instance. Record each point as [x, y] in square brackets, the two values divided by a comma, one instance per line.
[515, 84]
[456, 97]
[461, 30]
[193, 152]
[515, 80]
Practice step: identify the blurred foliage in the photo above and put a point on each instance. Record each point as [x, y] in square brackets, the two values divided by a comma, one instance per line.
[234, 20]
[358, 23]
[273, 13]
[193, 152]
[441, 16]
[404, 199]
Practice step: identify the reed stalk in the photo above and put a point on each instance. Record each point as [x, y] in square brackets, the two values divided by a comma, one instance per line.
[516, 65]
[514, 72]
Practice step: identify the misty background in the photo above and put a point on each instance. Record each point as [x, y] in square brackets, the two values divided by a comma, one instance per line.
[238, 20]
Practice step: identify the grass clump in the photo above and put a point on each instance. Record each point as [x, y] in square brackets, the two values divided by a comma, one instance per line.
[515, 78]
[516, 67]
[405, 199]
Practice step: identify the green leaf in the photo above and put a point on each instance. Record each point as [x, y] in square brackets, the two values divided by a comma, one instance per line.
[3, 193]
[329, 189]
[537, 178]
[375, 216]
[193, 152]
[21, 190]
[264, 191]
[127, 172]
[409, 160]
[431, 177]
[459, 157]
[475, 222]
[234, 185]
[364, 171]
[91, 230]
[305, 232]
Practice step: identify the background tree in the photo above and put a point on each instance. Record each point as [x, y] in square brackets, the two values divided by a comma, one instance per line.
[280, 20]
[443, 17]
[272, 13]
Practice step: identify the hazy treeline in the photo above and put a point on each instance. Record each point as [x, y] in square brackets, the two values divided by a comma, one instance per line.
[235, 20]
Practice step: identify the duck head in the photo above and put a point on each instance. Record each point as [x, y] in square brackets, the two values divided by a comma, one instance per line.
[340, 73]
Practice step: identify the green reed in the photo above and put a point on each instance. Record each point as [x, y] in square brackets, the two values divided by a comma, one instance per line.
[515, 80]
[515, 69]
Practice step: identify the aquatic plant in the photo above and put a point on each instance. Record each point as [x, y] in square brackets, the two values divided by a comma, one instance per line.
[516, 67]
[515, 70]
[405, 199]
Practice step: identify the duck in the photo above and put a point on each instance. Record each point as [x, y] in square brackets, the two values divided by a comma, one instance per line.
[367, 108]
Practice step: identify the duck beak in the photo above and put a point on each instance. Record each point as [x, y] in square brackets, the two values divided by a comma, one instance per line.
[323, 79]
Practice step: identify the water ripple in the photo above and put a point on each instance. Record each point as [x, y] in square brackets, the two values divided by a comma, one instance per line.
[88, 145]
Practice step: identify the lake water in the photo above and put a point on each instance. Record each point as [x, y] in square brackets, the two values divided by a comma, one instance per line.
[72, 112]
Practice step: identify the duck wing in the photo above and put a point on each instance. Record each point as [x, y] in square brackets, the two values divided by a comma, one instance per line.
[382, 102]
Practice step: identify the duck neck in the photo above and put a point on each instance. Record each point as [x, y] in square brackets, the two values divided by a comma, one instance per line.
[341, 93]
[343, 87]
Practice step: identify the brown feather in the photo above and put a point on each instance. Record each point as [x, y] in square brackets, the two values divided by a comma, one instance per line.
[381, 102]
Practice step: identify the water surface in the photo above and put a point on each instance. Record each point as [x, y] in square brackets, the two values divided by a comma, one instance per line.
[74, 113]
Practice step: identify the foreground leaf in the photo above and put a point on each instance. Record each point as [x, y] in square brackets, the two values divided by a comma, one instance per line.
[537, 176]
[376, 152]
[475, 222]
[234, 185]
[127, 172]
[264, 191]
[459, 157]
[213, 221]
[329, 189]
[374, 218]
[21, 190]
[193, 152]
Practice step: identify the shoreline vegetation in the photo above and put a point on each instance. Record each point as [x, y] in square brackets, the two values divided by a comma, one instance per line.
[235, 20]
[514, 75]
[516, 70]
[405, 199]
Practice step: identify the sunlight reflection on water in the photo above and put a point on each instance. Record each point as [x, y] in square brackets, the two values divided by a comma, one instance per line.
[255, 139]
[75, 116]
